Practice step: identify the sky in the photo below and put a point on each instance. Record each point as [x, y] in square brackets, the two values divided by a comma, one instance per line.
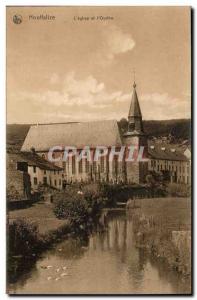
[69, 69]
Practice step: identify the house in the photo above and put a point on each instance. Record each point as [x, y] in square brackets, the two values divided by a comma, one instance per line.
[25, 171]
[42, 171]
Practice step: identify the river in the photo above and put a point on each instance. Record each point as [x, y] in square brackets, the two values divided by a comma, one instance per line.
[107, 263]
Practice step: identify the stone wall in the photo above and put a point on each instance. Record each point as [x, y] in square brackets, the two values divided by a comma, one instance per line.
[14, 182]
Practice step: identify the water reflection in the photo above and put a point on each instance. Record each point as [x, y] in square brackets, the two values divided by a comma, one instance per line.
[108, 263]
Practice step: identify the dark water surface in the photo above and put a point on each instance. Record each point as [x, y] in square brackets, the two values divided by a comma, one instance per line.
[108, 263]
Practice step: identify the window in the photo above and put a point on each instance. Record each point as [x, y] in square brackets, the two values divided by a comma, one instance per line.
[45, 180]
[55, 182]
[94, 167]
[116, 164]
[45, 171]
[60, 182]
[102, 164]
[34, 169]
[64, 165]
[131, 126]
[80, 166]
[73, 165]
[35, 180]
[153, 163]
[22, 166]
[54, 172]
[87, 166]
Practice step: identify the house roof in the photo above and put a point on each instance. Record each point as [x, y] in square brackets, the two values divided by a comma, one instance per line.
[96, 133]
[165, 151]
[33, 159]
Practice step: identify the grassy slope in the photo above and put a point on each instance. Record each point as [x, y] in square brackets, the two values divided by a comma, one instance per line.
[171, 213]
[40, 213]
[163, 226]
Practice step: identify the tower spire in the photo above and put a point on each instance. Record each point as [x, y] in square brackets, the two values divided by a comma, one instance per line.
[134, 85]
[135, 115]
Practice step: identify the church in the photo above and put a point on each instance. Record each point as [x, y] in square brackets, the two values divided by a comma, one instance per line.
[41, 138]
[168, 159]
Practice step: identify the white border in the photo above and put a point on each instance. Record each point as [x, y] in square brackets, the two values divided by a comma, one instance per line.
[3, 4]
[98, 3]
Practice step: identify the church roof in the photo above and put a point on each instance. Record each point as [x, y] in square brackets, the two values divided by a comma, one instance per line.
[134, 110]
[96, 133]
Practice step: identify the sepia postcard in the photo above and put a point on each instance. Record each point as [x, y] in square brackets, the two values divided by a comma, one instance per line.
[99, 170]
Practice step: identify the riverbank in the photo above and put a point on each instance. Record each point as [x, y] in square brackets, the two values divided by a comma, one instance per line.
[107, 263]
[31, 231]
[163, 227]
[35, 229]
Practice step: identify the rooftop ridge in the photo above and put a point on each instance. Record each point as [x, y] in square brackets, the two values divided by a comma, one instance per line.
[76, 122]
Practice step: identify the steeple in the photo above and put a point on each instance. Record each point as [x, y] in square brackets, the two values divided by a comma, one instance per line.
[135, 116]
[134, 110]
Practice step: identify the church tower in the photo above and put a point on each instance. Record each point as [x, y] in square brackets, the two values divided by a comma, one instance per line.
[136, 170]
[135, 115]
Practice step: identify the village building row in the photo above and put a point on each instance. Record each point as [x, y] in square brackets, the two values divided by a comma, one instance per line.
[173, 161]
[168, 159]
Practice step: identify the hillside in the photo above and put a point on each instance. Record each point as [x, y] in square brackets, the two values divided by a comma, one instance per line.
[179, 129]
[15, 135]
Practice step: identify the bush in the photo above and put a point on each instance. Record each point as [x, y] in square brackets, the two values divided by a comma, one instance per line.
[114, 193]
[71, 206]
[80, 206]
[23, 238]
[178, 190]
[94, 197]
